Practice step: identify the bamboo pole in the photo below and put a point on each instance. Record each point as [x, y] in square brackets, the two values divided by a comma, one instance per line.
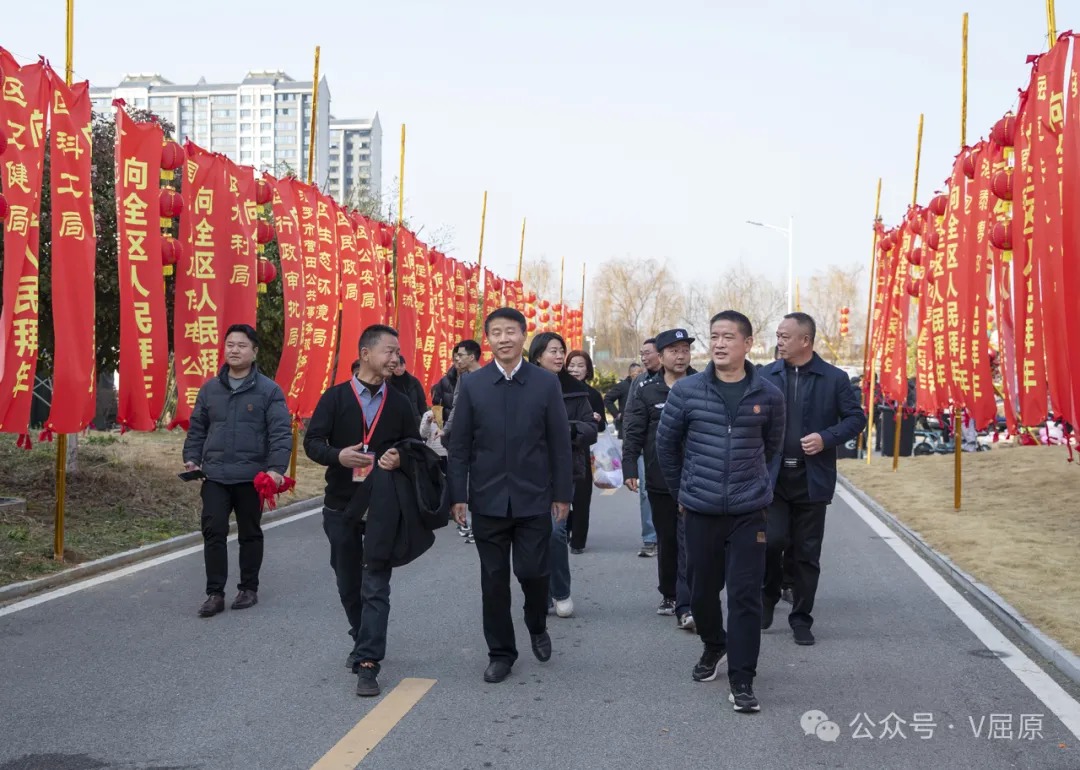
[480, 271]
[521, 249]
[1051, 24]
[958, 444]
[62, 440]
[867, 359]
[310, 178]
[914, 201]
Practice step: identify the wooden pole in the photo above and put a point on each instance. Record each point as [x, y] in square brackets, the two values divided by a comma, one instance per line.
[914, 201]
[310, 178]
[521, 249]
[61, 440]
[480, 271]
[957, 466]
[867, 360]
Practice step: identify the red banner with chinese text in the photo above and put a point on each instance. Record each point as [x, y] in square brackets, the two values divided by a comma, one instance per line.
[322, 298]
[1027, 303]
[894, 352]
[423, 333]
[980, 401]
[287, 232]
[949, 369]
[881, 279]
[474, 321]
[24, 104]
[883, 294]
[352, 313]
[927, 398]
[1003, 303]
[304, 196]
[493, 300]
[1071, 234]
[144, 347]
[462, 330]
[241, 288]
[373, 277]
[1047, 163]
[439, 327]
[384, 243]
[407, 319]
[200, 287]
[74, 251]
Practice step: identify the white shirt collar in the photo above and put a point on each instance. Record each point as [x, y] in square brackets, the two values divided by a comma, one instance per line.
[510, 375]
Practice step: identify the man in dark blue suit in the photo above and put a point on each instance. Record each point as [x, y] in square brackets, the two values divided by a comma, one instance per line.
[823, 412]
[509, 461]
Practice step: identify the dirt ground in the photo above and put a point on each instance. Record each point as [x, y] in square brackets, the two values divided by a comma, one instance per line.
[125, 494]
[1018, 530]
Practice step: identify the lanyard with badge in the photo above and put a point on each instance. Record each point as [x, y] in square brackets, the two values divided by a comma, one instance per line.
[360, 474]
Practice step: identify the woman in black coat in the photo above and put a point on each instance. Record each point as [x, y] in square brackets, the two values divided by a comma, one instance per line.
[548, 351]
[579, 365]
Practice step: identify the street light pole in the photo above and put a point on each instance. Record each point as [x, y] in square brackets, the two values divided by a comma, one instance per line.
[790, 232]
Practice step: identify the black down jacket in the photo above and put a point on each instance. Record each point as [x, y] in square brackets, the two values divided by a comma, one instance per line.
[236, 434]
[713, 462]
[405, 507]
[583, 428]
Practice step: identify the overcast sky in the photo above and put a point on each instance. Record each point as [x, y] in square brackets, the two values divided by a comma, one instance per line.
[619, 128]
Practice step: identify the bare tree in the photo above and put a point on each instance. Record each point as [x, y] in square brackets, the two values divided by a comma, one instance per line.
[633, 299]
[540, 276]
[827, 292]
[756, 296]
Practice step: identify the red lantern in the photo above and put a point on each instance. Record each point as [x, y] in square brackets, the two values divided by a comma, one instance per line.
[530, 313]
[531, 298]
[1001, 235]
[172, 156]
[844, 330]
[433, 257]
[1002, 185]
[913, 287]
[170, 202]
[266, 273]
[544, 318]
[389, 298]
[3, 200]
[544, 304]
[264, 233]
[532, 326]
[933, 239]
[916, 224]
[915, 257]
[845, 310]
[938, 205]
[170, 254]
[968, 165]
[1003, 131]
[388, 267]
[264, 193]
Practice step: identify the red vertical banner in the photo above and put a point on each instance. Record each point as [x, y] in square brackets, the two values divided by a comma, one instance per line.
[1070, 191]
[1027, 303]
[241, 288]
[24, 104]
[144, 346]
[881, 280]
[424, 331]
[74, 252]
[474, 321]
[462, 330]
[925, 386]
[373, 282]
[287, 231]
[200, 282]
[309, 259]
[352, 312]
[407, 318]
[322, 299]
[492, 301]
[439, 327]
[894, 351]
[1047, 163]
[981, 403]
[384, 253]
[946, 315]
[1002, 282]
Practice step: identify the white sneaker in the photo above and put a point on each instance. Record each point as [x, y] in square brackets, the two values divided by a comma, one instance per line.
[564, 608]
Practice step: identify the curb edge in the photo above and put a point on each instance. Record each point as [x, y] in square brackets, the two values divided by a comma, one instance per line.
[65, 577]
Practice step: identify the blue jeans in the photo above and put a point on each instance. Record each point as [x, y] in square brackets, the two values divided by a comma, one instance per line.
[648, 532]
[558, 563]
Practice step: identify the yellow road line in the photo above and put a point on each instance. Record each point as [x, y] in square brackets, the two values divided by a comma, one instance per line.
[360, 740]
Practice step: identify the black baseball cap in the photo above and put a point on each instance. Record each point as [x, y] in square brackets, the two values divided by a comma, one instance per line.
[670, 337]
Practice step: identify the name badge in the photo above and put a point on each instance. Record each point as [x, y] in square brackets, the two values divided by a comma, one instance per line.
[359, 475]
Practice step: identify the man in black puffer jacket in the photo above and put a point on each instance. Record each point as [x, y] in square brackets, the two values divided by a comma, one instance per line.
[717, 434]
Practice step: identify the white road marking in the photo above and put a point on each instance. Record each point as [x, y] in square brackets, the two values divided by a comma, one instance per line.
[1041, 684]
[108, 577]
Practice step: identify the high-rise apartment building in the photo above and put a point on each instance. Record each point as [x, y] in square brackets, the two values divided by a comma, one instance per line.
[263, 121]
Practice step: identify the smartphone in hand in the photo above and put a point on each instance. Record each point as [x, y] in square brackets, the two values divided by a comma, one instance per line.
[192, 475]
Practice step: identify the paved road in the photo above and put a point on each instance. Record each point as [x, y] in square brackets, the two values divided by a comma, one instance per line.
[123, 675]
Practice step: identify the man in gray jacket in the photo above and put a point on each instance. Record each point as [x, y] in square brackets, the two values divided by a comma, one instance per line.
[239, 428]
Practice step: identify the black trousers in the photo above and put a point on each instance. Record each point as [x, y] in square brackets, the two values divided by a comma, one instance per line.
[219, 500]
[727, 549]
[577, 525]
[665, 516]
[796, 525]
[528, 539]
[365, 594]
[789, 569]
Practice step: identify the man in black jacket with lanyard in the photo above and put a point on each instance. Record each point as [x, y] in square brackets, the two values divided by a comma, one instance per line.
[822, 412]
[510, 462]
[356, 425]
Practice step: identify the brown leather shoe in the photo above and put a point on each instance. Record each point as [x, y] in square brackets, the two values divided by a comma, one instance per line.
[245, 599]
[214, 604]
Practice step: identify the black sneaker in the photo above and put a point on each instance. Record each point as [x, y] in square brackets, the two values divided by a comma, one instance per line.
[707, 668]
[788, 595]
[667, 607]
[743, 698]
[352, 661]
[367, 683]
[767, 610]
[803, 636]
